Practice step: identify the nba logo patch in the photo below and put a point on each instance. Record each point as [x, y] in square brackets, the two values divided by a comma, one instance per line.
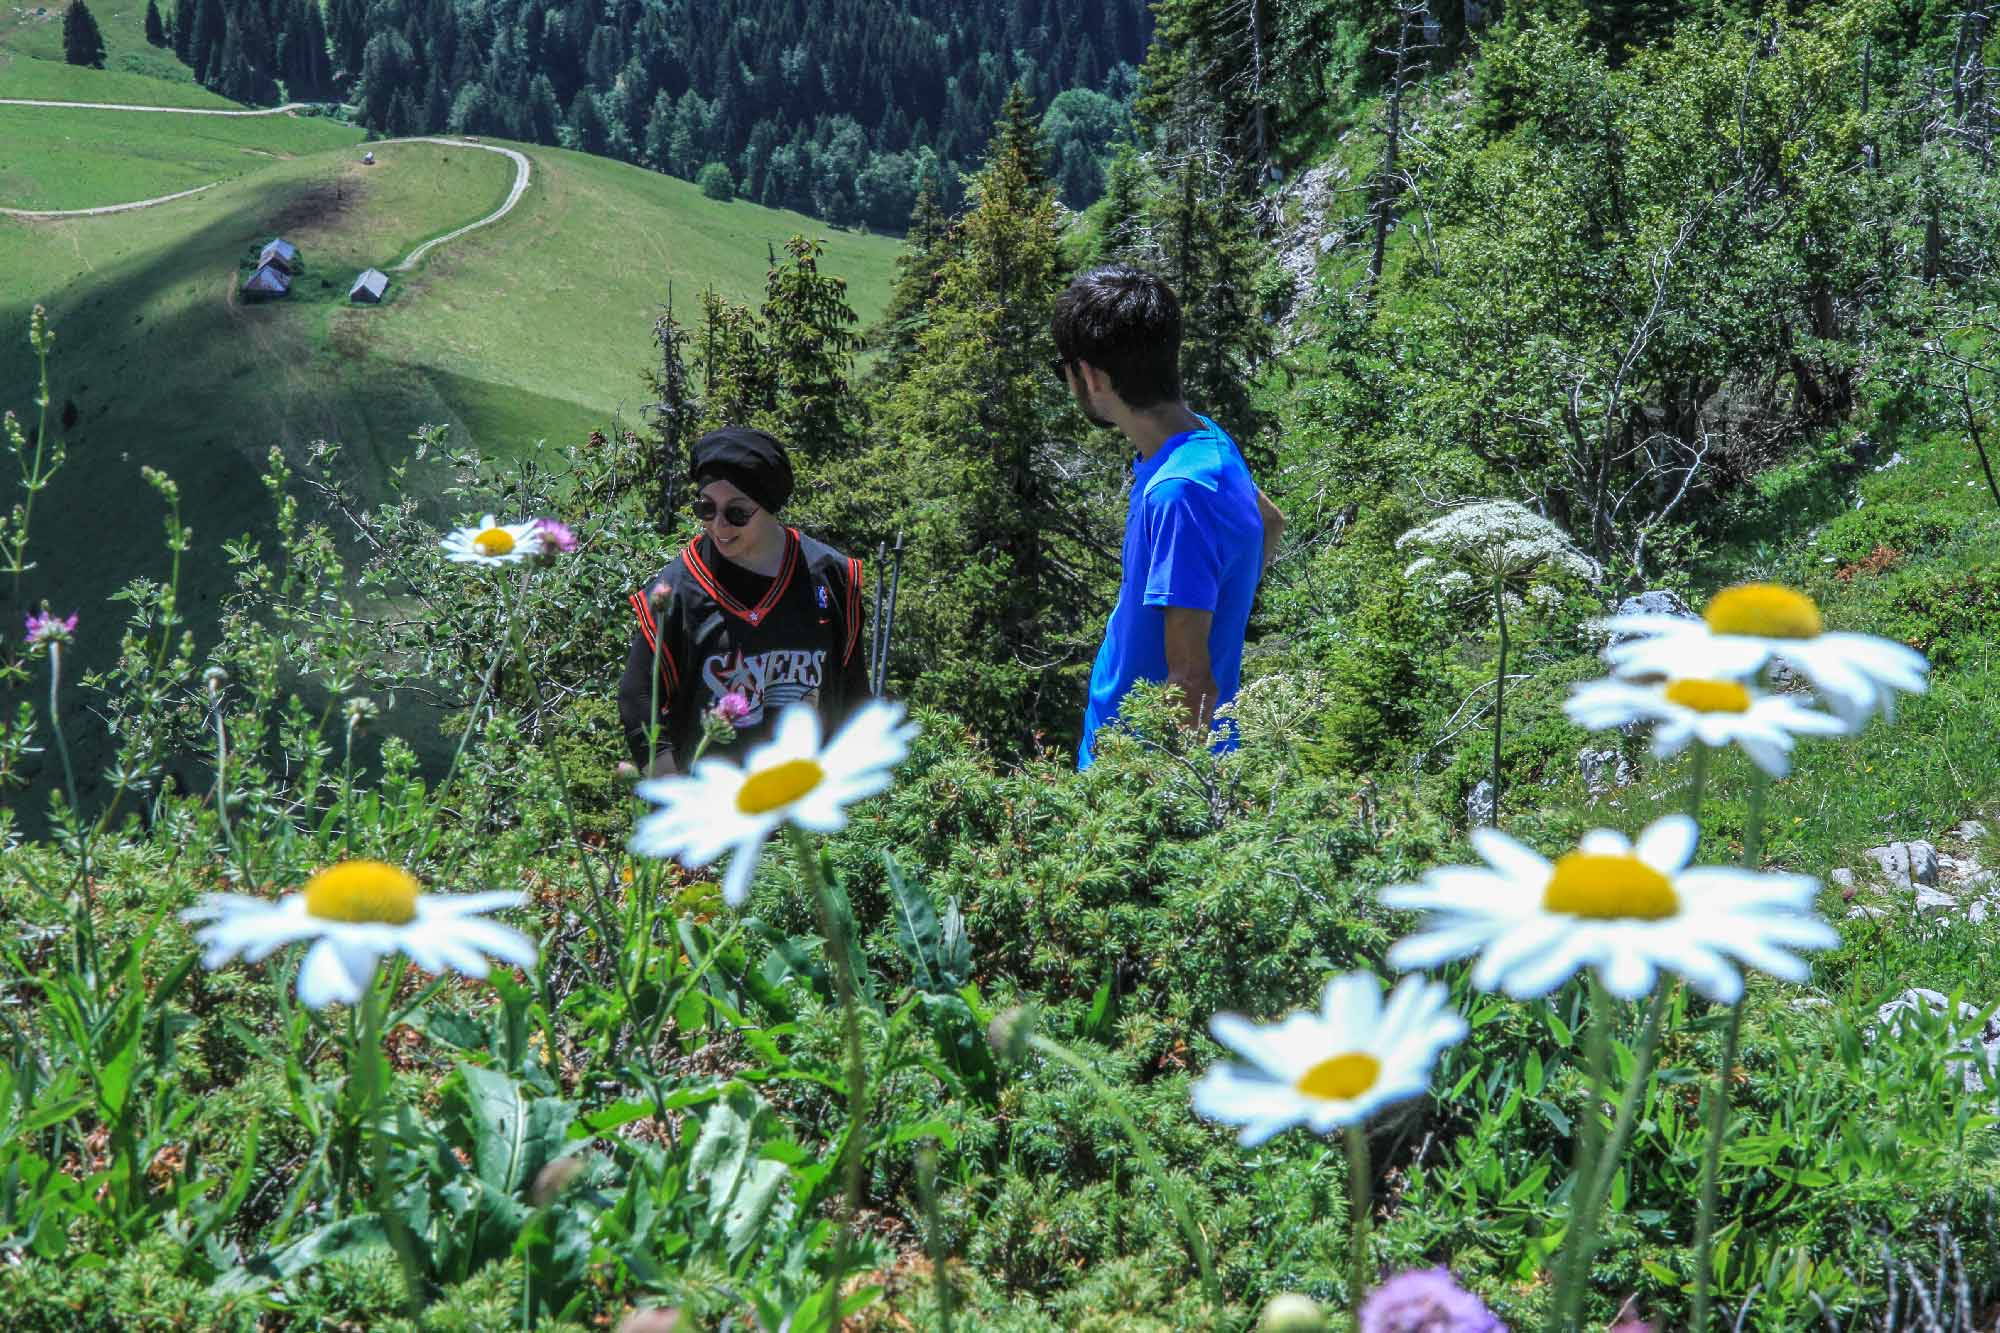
[822, 597]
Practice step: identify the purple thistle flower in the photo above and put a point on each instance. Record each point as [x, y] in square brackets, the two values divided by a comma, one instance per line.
[1426, 1300]
[47, 627]
[556, 535]
[733, 707]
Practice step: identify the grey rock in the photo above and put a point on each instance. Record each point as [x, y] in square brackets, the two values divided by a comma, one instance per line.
[1784, 680]
[1981, 1044]
[1932, 903]
[1906, 863]
[1971, 830]
[1981, 910]
[1479, 805]
[1865, 914]
[1657, 602]
[1843, 877]
[1603, 769]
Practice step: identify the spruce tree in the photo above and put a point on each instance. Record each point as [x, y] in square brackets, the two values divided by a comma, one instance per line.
[183, 31]
[1009, 523]
[156, 31]
[926, 246]
[83, 43]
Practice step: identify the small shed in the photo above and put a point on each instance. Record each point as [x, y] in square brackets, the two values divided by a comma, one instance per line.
[268, 280]
[369, 287]
[282, 253]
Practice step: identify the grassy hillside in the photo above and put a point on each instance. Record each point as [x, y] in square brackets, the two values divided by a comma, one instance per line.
[31, 61]
[60, 159]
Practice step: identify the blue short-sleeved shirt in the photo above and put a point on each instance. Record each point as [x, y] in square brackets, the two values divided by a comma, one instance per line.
[1193, 538]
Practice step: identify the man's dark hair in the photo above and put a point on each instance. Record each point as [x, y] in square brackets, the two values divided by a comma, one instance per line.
[1127, 323]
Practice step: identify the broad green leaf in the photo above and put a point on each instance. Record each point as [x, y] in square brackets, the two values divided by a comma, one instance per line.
[917, 931]
[513, 1135]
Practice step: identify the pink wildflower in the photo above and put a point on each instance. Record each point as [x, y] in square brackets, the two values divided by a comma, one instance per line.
[47, 627]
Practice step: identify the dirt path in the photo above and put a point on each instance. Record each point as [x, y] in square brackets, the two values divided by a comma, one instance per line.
[167, 110]
[45, 214]
[522, 170]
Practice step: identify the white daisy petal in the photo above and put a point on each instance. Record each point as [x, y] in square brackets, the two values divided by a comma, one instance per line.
[355, 914]
[742, 867]
[1512, 859]
[1667, 845]
[1331, 1066]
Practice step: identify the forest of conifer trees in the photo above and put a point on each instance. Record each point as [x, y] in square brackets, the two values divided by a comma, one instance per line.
[844, 110]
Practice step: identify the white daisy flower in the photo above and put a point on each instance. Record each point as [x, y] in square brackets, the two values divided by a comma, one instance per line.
[1752, 624]
[1716, 713]
[356, 913]
[722, 807]
[1332, 1068]
[1628, 911]
[492, 543]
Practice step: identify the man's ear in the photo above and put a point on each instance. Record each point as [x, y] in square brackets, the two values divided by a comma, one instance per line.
[1095, 381]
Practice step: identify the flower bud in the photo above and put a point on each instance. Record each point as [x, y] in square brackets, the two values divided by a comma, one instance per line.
[658, 1319]
[361, 710]
[659, 597]
[553, 1179]
[213, 680]
[1291, 1312]
[1010, 1030]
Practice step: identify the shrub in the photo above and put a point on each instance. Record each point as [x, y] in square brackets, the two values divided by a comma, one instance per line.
[716, 182]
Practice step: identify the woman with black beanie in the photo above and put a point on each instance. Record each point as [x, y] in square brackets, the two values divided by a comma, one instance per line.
[751, 617]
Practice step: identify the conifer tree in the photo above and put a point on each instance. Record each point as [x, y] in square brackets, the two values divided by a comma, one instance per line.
[156, 31]
[83, 42]
[1009, 524]
[808, 328]
[183, 31]
[926, 246]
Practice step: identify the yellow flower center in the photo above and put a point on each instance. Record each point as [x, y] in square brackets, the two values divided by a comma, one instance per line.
[1341, 1079]
[1709, 696]
[494, 542]
[1765, 610]
[777, 786]
[362, 891]
[1609, 888]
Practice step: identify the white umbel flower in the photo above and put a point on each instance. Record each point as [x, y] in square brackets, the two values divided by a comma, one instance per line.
[1716, 713]
[1628, 911]
[1331, 1068]
[722, 807]
[1746, 627]
[1495, 539]
[357, 913]
[492, 543]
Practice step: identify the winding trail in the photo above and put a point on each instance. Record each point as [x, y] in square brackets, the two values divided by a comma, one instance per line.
[167, 110]
[523, 171]
[47, 213]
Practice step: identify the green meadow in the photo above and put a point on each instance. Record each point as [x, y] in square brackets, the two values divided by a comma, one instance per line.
[31, 61]
[86, 158]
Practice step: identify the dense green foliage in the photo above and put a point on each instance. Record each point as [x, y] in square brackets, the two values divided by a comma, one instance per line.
[1709, 292]
[83, 43]
[843, 111]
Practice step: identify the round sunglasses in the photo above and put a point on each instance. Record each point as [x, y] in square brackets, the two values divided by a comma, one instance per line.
[737, 513]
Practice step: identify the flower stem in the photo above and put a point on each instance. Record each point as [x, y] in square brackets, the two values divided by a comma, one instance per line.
[373, 1064]
[1499, 689]
[472, 718]
[1149, 1159]
[1579, 1242]
[1699, 786]
[845, 986]
[1360, 1185]
[1718, 1096]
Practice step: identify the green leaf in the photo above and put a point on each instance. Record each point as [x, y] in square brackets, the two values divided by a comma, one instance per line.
[513, 1136]
[1531, 1080]
[350, 1235]
[917, 931]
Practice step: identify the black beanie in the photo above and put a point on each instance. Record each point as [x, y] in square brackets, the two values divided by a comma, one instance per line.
[747, 459]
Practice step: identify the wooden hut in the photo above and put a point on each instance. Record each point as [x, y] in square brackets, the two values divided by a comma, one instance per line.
[282, 253]
[369, 288]
[268, 281]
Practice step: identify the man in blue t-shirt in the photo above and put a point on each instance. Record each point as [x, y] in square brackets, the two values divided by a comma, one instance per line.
[1198, 531]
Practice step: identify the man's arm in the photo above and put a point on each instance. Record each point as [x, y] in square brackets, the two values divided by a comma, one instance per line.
[1188, 668]
[1274, 526]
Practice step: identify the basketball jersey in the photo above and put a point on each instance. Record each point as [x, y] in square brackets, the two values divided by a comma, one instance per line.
[790, 638]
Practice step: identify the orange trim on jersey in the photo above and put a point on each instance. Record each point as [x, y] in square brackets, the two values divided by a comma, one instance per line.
[853, 609]
[670, 675]
[721, 595]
